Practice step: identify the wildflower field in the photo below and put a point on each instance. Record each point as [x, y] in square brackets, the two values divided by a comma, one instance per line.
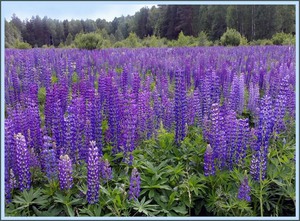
[198, 131]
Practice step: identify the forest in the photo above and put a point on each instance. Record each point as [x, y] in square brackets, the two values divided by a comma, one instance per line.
[165, 22]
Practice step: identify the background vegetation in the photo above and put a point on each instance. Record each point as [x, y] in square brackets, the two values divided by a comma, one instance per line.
[162, 26]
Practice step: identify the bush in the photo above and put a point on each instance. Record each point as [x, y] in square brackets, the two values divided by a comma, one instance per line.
[132, 41]
[22, 45]
[243, 41]
[282, 38]
[231, 37]
[119, 44]
[203, 39]
[88, 41]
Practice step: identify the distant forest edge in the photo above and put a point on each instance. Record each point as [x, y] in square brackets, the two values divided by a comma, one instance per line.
[162, 26]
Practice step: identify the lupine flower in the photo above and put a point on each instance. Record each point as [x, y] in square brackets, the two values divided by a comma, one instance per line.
[244, 190]
[10, 183]
[65, 172]
[259, 158]
[23, 161]
[58, 127]
[180, 106]
[135, 183]
[50, 163]
[93, 166]
[105, 170]
[209, 165]
[217, 135]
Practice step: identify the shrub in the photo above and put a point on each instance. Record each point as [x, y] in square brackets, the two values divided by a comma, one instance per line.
[243, 41]
[203, 39]
[88, 41]
[132, 41]
[22, 45]
[282, 38]
[119, 44]
[231, 37]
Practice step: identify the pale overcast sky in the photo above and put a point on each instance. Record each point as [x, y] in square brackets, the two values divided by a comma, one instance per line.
[72, 10]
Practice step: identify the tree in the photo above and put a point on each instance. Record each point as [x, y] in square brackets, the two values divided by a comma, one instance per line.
[87, 41]
[69, 39]
[231, 38]
[12, 34]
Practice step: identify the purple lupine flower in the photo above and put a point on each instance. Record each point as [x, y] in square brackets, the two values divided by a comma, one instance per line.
[280, 104]
[209, 165]
[129, 129]
[88, 138]
[217, 135]
[23, 161]
[180, 106]
[10, 183]
[65, 172]
[105, 170]
[114, 113]
[244, 190]
[58, 127]
[50, 163]
[98, 123]
[242, 141]
[197, 108]
[135, 185]
[231, 130]
[136, 85]
[9, 159]
[93, 176]
[264, 132]
[215, 88]
[253, 101]
[206, 93]
[34, 124]
[234, 94]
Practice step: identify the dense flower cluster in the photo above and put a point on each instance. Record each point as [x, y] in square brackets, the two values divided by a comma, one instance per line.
[264, 131]
[105, 170]
[93, 173]
[180, 107]
[117, 99]
[209, 165]
[135, 184]
[22, 160]
[65, 172]
[244, 190]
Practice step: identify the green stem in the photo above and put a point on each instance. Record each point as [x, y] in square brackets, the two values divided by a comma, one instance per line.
[260, 196]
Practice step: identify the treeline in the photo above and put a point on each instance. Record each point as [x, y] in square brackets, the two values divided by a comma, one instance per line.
[164, 22]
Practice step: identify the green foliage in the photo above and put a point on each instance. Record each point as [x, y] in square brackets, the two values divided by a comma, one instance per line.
[22, 45]
[172, 183]
[119, 44]
[203, 39]
[282, 38]
[243, 41]
[27, 199]
[231, 37]
[261, 42]
[132, 41]
[61, 45]
[54, 79]
[69, 39]
[88, 41]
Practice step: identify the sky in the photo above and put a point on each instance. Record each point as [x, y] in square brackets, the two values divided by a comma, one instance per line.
[72, 9]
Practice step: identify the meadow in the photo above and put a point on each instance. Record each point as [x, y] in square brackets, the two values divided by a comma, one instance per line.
[187, 131]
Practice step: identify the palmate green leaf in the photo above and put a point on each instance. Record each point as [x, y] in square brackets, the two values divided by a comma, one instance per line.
[69, 210]
[31, 197]
[52, 211]
[145, 207]
[91, 210]
[180, 209]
